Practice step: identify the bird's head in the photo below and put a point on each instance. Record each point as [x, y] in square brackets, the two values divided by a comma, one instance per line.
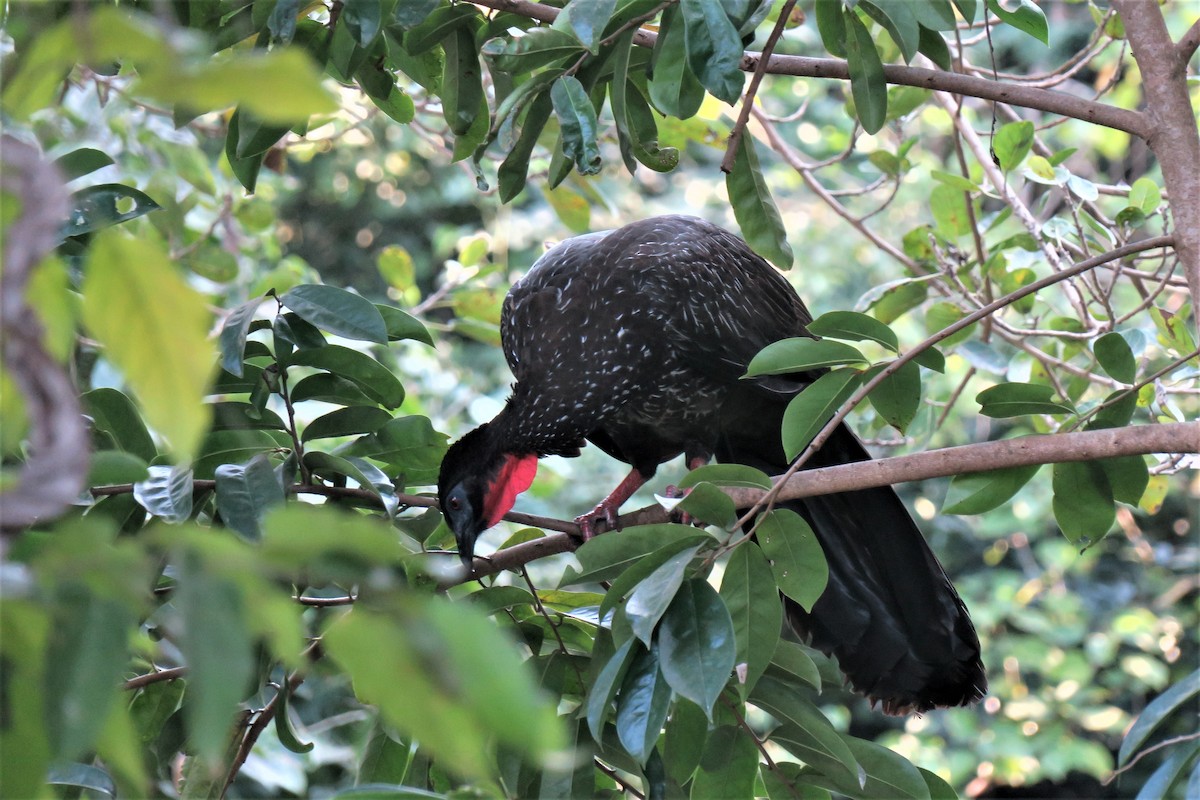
[478, 484]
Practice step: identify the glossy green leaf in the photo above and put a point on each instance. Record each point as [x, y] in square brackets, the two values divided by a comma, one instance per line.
[888, 774]
[855, 327]
[380, 86]
[795, 556]
[867, 82]
[832, 26]
[283, 724]
[245, 168]
[401, 325]
[109, 467]
[624, 584]
[232, 415]
[696, 644]
[1012, 143]
[245, 492]
[899, 19]
[709, 505]
[1017, 399]
[801, 354]
[1128, 477]
[115, 414]
[649, 600]
[793, 660]
[108, 204]
[1026, 17]
[728, 765]
[1116, 357]
[643, 133]
[372, 377]
[535, 48]
[674, 88]
[91, 779]
[577, 120]
[462, 81]
[950, 210]
[407, 442]
[337, 311]
[933, 46]
[714, 48]
[587, 20]
[605, 557]
[808, 411]
[437, 25]
[82, 161]
[1145, 195]
[753, 207]
[1083, 502]
[805, 732]
[1155, 713]
[153, 705]
[346, 422]
[167, 493]
[898, 397]
[604, 689]
[155, 330]
[979, 492]
[363, 18]
[727, 475]
[748, 589]
[642, 705]
[233, 335]
[515, 167]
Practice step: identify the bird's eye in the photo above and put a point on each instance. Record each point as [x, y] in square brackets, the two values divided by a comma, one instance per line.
[454, 504]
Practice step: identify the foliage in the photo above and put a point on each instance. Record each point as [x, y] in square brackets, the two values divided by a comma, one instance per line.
[209, 142]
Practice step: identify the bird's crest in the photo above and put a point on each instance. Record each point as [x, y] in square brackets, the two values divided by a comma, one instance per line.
[514, 476]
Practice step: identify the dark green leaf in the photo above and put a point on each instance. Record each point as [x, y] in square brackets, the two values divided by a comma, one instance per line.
[363, 18]
[380, 86]
[795, 556]
[434, 26]
[372, 377]
[602, 692]
[642, 705]
[82, 776]
[385, 759]
[535, 48]
[933, 46]
[80, 162]
[714, 48]
[242, 416]
[966, 8]
[936, 15]
[329, 389]
[898, 298]
[643, 133]
[282, 20]
[806, 732]
[793, 659]
[587, 19]
[515, 167]
[867, 83]
[245, 169]
[283, 724]
[233, 335]
[898, 397]
[855, 327]
[674, 88]
[801, 354]
[1153, 715]
[728, 765]
[808, 411]
[346, 422]
[832, 26]
[577, 120]
[109, 467]
[627, 581]
[982, 491]
[167, 493]
[889, 774]
[605, 557]
[153, 705]
[407, 442]
[1083, 502]
[1017, 399]
[709, 505]
[1027, 17]
[1128, 477]
[696, 644]
[1116, 357]
[727, 475]
[1012, 142]
[748, 589]
[753, 207]
[683, 742]
[98, 207]
[899, 19]
[115, 414]
[462, 82]
[245, 492]
[649, 600]
[402, 325]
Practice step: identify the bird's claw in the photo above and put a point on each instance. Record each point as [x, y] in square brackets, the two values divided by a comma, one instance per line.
[684, 517]
[605, 513]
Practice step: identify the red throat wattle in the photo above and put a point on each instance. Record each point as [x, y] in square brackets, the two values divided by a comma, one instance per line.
[514, 476]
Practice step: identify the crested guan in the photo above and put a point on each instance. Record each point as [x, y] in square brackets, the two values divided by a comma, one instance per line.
[637, 340]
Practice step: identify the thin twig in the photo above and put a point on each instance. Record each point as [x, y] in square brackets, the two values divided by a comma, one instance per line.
[739, 127]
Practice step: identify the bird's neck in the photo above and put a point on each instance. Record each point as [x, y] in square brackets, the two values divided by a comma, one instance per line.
[538, 423]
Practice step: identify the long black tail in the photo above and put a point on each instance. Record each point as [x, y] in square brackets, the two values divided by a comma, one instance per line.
[898, 628]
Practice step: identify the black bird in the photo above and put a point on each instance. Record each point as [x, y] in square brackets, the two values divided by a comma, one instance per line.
[637, 340]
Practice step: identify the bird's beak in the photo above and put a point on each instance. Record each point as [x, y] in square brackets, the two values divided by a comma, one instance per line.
[466, 546]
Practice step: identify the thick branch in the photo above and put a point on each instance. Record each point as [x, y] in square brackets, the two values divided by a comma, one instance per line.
[804, 67]
[1174, 137]
[1178, 437]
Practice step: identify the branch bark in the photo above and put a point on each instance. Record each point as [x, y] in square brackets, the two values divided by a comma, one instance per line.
[1055, 448]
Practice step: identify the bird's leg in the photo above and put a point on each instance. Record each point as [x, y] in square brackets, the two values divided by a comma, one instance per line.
[693, 462]
[607, 508]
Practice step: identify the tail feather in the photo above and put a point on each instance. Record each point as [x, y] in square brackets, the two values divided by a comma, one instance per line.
[890, 615]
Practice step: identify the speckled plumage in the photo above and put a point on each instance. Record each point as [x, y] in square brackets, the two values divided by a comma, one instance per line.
[636, 340]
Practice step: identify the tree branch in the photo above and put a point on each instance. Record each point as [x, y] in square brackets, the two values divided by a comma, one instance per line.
[803, 67]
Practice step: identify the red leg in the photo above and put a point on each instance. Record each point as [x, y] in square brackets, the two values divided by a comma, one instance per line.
[693, 462]
[607, 508]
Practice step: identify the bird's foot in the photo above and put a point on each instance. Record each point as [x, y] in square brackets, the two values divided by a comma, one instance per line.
[683, 517]
[606, 513]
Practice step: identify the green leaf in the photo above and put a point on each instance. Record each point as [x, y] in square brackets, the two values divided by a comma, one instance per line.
[115, 414]
[380, 86]
[950, 210]
[245, 168]
[868, 85]
[630, 579]
[648, 602]
[283, 724]
[245, 492]
[643, 133]
[696, 644]
[82, 776]
[515, 167]
[898, 397]
[1145, 196]
[1026, 17]
[710, 505]
[233, 335]
[1116, 357]
[727, 475]
[793, 659]
[605, 557]
[153, 705]
[728, 765]
[436, 25]
[401, 325]
[748, 589]
[216, 647]
[154, 328]
[108, 204]
[980, 492]
[587, 20]
[855, 327]
[1155, 712]
[1127, 476]
[805, 732]
[346, 422]
[753, 207]
[832, 26]
[674, 88]
[363, 18]
[1012, 142]
[535, 48]
[714, 48]
[933, 47]
[82, 161]
[1083, 502]
[109, 467]
[889, 774]
[642, 705]
[376, 381]
[898, 18]
[808, 411]
[296, 536]
[406, 442]
[577, 120]
[604, 689]
[897, 299]
[801, 354]
[795, 556]
[167, 493]
[462, 81]
[1017, 399]
[337, 311]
